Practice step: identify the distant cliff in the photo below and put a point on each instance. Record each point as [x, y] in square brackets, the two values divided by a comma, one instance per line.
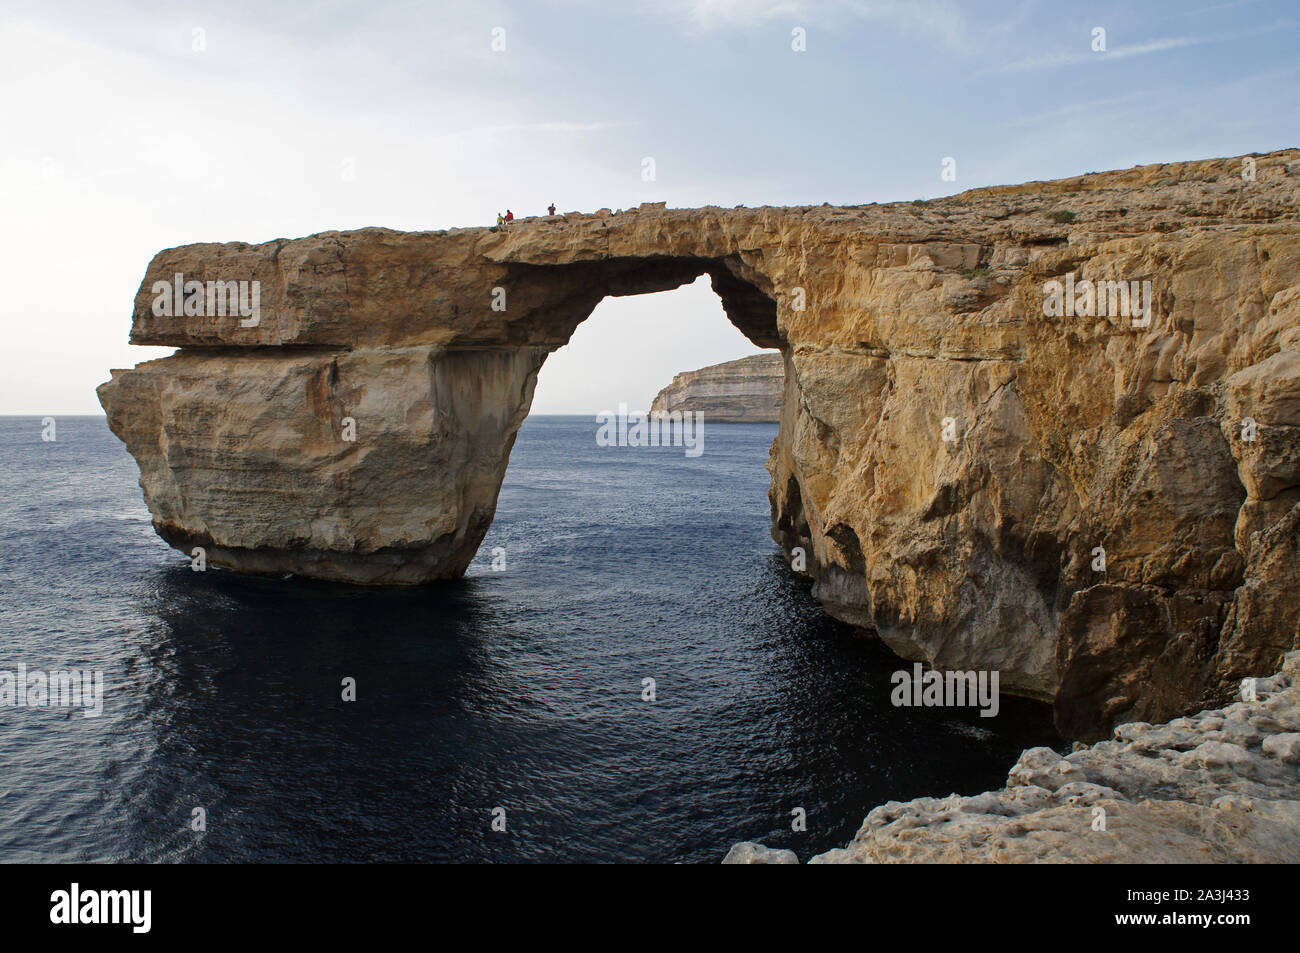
[743, 391]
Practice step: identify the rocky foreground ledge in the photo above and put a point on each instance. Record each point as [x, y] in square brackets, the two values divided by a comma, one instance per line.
[1221, 786]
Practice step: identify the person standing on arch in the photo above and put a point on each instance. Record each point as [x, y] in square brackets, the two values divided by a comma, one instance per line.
[500, 220]
[550, 209]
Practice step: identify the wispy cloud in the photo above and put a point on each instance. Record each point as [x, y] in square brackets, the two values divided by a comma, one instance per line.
[1162, 45]
[1109, 103]
[1221, 6]
[939, 22]
[530, 128]
[1073, 58]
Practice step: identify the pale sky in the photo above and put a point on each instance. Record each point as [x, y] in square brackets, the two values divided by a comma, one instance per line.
[122, 136]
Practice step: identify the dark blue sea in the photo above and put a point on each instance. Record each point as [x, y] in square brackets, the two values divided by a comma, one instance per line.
[519, 689]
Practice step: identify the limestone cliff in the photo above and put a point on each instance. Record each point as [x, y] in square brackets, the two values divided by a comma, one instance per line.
[1106, 511]
[743, 391]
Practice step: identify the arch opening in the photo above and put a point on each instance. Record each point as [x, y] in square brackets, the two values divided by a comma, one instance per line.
[560, 297]
[633, 345]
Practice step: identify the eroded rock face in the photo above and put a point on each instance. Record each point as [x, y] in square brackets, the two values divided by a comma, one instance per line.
[744, 391]
[950, 458]
[1222, 786]
[246, 456]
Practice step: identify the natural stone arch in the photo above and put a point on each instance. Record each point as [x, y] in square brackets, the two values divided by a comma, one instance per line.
[973, 552]
[423, 348]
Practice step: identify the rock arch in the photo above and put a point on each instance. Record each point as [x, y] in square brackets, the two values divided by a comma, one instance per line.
[426, 346]
[949, 455]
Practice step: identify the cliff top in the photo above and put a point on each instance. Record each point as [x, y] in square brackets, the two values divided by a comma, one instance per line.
[1197, 192]
[436, 287]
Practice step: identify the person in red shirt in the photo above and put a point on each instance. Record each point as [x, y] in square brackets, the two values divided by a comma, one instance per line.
[510, 216]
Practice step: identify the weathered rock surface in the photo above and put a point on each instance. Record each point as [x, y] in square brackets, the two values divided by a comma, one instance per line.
[1221, 786]
[744, 391]
[246, 457]
[950, 458]
[750, 853]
